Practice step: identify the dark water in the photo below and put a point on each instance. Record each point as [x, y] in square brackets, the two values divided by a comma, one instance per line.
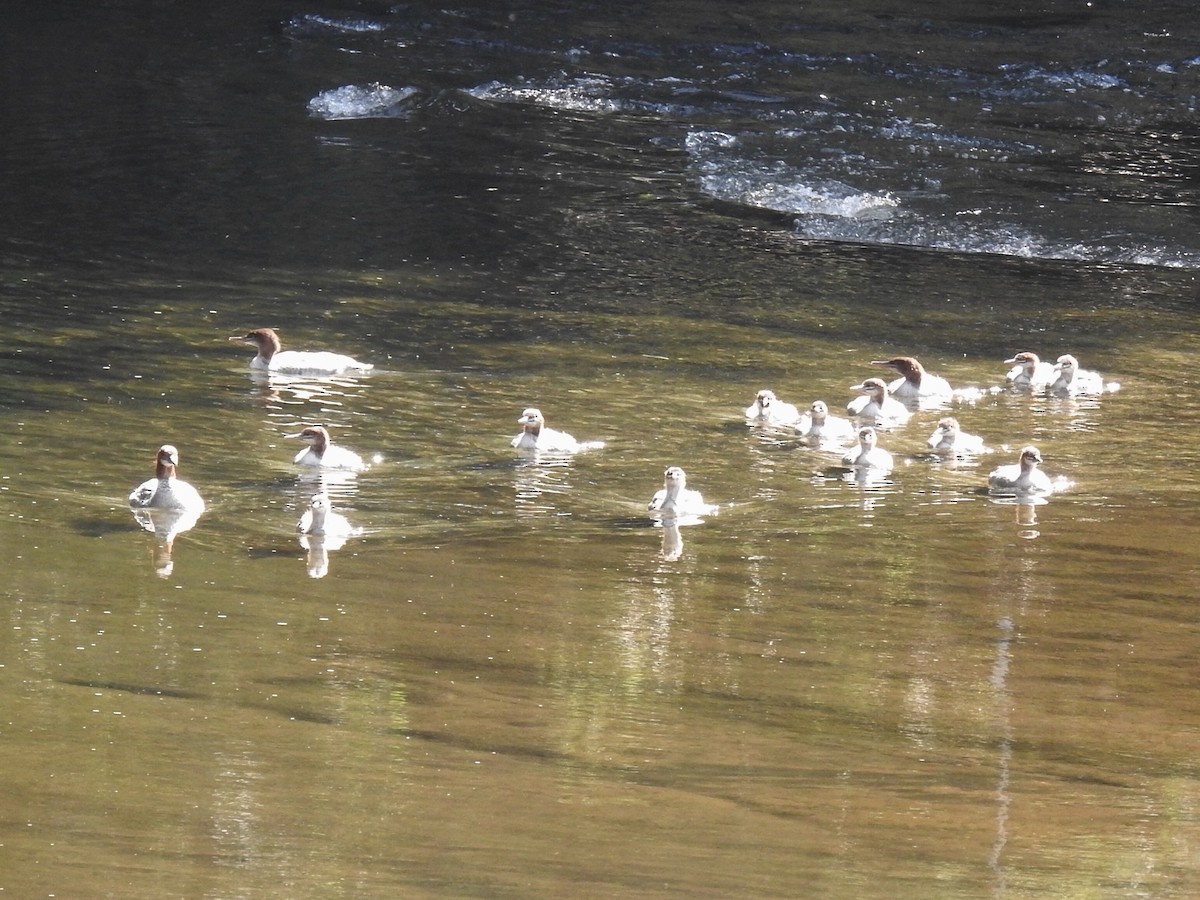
[634, 216]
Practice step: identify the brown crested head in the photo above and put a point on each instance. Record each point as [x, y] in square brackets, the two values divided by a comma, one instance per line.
[166, 461]
[316, 436]
[904, 365]
[266, 340]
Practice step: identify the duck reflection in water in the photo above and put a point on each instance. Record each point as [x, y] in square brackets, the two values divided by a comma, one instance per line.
[672, 539]
[322, 530]
[165, 525]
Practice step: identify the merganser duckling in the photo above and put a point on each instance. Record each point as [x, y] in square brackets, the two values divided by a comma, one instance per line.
[877, 404]
[867, 455]
[1022, 478]
[770, 410]
[164, 490]
[677, 499]
[817, 425]
[321, 519]
[272, 359]
[536, 436]
[914, 383]
[322, 452]
[1073, 380]
[1029, 372]
[950, 440]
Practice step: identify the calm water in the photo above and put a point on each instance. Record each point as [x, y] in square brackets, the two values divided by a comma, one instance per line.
[634, 217]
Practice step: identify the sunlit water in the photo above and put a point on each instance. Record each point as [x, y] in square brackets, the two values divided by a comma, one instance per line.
[511, 682]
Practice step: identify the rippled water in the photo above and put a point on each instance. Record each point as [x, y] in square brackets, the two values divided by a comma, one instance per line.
[511, 683]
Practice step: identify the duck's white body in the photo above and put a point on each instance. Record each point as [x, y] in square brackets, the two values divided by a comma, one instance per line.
[1022, 478]
[1072, 380]
[950, 440]
[914, 383]
[273, 360]
[164, 490]
[321, 519]
[818, 426]
[677, 499]
[535, 436]
[322, 452]
[768, 409]
[1028, 372]
[868, 455]
[876, 404]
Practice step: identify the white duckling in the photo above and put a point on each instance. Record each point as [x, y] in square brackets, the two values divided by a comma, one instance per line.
[868, 455]
[1022, 478]
[1028, 372]
[770, 410]
[1073, 380]
[948, 439]
[164, 490]
[676, 498]
[273, 360]
[914, 383]
[875, 403]
[535, 435]
[322, 452]
[320, 518]
[818, 426]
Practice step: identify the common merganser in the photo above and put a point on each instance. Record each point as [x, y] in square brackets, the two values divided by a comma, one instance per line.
[949, 440]
[536, 436]
[1073, 380]
[164, 490]
[819, 426]
[877, 404]
[1022, 478]
[867, 455]
[322, 452]
[676, 498]
[272, 359]
[320, 518]
[1029, 372]
[914, 383]
[770, 410]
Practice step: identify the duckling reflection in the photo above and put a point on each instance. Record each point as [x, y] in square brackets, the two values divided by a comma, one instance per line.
[672, 539]
[165, 525]
[538, 480]
[322, 530]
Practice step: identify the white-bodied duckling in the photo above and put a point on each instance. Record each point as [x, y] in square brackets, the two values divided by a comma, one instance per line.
[914, 383]
[535, 435]
[1072, 380]
[273, 360]
[320, 518]
[1028, 372]
[164, 490]
[322, 452]
[677, 499]
[818, 426]
[950, 440]
[868, 455]
[770, 410]
[875, 403]
[1022, 478]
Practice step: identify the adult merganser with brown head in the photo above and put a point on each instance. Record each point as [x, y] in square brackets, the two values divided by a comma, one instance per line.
[677, 499]
[770, 410]
[272, 360]
[535, 436]
[164, 490]
[322, 452]
[818, 426]
[914, 383]
[876, 404]
[949, 440]
[1073, 380]
[1029, 373]
[868, 455]
[1022, 478]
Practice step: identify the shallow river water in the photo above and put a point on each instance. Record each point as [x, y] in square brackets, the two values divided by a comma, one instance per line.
[511, 682]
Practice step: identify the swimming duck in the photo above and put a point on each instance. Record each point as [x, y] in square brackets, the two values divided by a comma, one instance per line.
[320, 518]
[914, 383]
[770, 410]
[1028, 371]
[164, 490]
[949, 440]
[877, 404]
[818, 426]
[536, 436]
[272, 359]
[1022, 478]
[1073, 380]
[322, 452]
[676, 498]
[867, 455]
